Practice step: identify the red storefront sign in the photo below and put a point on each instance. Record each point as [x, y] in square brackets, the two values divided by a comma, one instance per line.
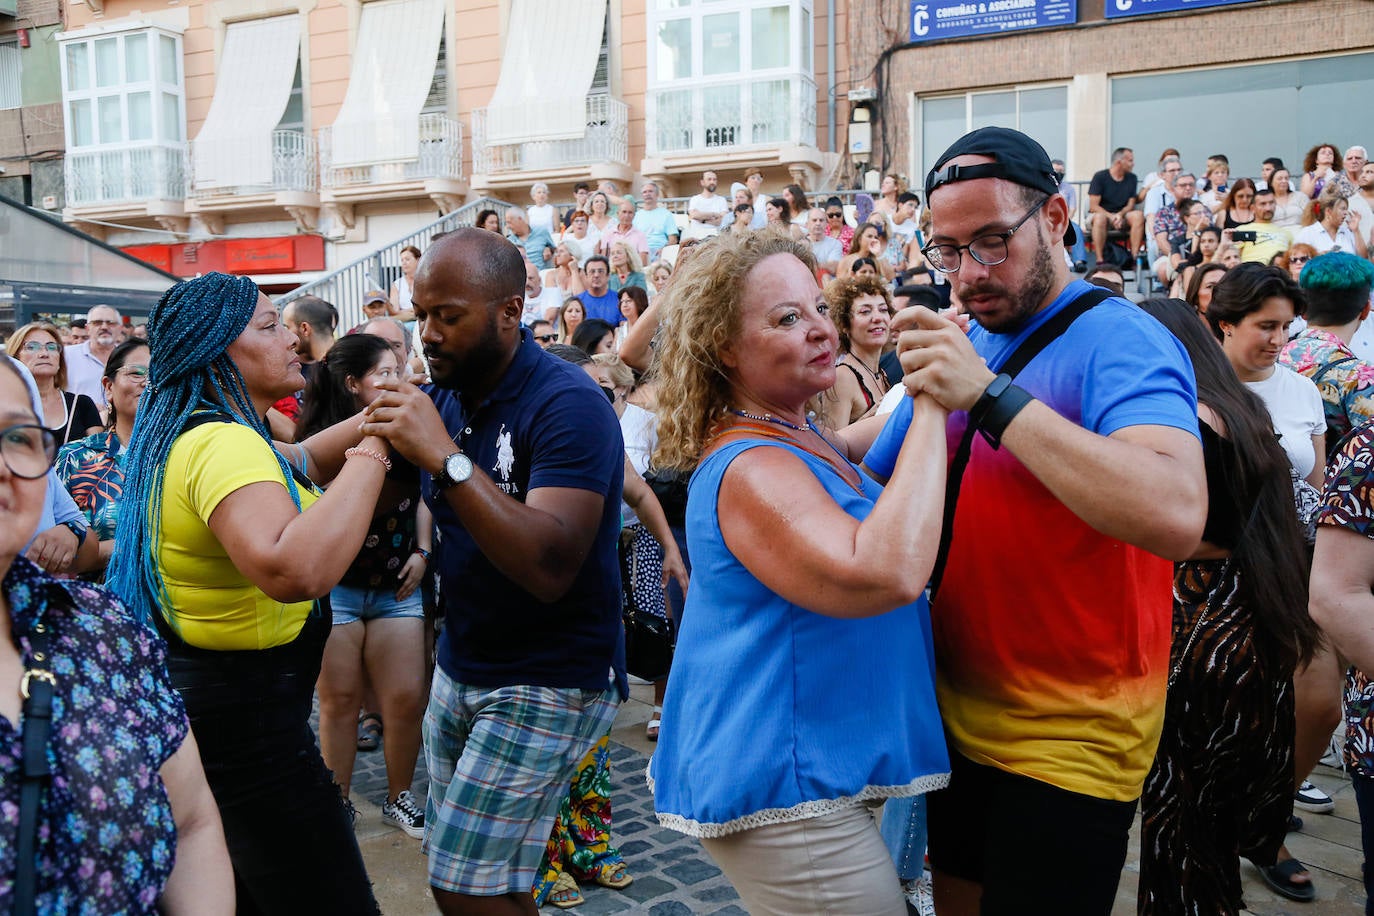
[255, 256]
[283, 254]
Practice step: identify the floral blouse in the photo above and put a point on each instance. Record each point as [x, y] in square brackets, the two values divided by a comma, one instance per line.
[1347, 388]
[1348, 502]
[92, 469]
[106, 836]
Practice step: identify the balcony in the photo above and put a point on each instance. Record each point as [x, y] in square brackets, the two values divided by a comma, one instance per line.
[602, 152]
[138, 183]
[293, 185]
[436, 172]
[759, 120]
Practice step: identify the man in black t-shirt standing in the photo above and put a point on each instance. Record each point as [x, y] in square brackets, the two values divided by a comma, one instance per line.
[1112, 197]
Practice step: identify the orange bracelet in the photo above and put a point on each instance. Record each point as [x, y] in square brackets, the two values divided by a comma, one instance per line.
[370, 453]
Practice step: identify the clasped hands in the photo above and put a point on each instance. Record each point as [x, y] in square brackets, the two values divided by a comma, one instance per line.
[938, 359]
[407, 419]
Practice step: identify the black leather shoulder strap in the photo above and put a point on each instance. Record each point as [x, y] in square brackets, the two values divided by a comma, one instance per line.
[1018, 360]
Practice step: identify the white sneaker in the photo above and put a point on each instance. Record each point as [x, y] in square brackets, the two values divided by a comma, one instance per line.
[406, 814]
[1310, 798]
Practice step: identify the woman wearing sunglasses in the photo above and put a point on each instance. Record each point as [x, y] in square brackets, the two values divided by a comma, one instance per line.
[92, 469]
[148, 803]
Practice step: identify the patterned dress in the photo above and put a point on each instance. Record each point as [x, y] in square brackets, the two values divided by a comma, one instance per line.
[1348, 502]
[106, 835]
[1221, 786]
[581, 840]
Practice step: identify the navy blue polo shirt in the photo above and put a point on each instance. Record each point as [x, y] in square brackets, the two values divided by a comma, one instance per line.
[547, 424]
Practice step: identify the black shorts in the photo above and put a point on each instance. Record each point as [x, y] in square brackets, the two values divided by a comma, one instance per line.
[1035, 848]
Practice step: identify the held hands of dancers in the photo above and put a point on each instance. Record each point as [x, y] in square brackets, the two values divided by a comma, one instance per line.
[405, 417]
[937, 357]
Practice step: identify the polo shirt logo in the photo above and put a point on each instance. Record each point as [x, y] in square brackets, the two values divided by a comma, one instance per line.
[505, 455]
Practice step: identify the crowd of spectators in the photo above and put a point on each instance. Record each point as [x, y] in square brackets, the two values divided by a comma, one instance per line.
[750, 318]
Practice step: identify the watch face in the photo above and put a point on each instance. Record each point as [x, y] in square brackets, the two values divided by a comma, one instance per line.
[457, 467]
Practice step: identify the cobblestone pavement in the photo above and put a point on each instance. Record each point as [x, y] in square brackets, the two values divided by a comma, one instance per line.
[675, 877]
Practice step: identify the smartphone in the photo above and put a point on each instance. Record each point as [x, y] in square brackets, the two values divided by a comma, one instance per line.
[1244, 235]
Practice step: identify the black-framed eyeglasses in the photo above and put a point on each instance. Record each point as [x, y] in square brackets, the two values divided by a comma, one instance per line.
[988, 250]
[28, 450]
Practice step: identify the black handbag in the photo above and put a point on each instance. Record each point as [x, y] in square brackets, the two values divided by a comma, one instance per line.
[648, 637]
[671, 489]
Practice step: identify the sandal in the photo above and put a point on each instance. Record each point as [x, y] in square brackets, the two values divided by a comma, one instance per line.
[616, 876]
[369, 731]
[655, 721]
[1279, 878]
[565, 893]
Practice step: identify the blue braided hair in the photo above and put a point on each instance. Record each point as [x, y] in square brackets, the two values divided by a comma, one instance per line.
[189, 370]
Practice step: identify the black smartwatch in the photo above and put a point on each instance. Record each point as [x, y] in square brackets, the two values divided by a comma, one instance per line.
[1001, 401]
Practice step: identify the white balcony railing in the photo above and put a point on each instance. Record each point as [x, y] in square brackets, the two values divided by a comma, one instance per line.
[294, 166]
[126, 174]
[766, 111]
[607, 139]
[440, 156]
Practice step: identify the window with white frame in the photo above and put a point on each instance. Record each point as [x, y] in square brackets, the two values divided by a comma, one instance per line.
[11, 95]
[123, 88]
[725, 73]
[124, 109]
[1040, 111]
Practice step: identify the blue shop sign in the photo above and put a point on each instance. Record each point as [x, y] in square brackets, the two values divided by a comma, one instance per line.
[1120, 9]
[935, 19]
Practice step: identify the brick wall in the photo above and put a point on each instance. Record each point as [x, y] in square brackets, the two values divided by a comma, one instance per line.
[40, 13]
[29, 131]
[1225, 35]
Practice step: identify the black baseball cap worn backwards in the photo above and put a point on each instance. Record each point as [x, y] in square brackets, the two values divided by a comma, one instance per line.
[1018, 159]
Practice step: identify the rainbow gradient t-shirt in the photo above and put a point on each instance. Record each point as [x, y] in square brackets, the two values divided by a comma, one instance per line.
[1051, 639]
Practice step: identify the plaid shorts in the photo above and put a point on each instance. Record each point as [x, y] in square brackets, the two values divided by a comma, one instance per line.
[500, 760]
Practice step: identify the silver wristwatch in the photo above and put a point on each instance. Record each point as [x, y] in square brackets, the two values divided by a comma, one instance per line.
[455, 469]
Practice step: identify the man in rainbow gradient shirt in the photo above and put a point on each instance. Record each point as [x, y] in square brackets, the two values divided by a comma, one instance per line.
[1052, 623]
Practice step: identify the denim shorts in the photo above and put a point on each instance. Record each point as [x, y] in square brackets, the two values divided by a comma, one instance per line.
[354, 604]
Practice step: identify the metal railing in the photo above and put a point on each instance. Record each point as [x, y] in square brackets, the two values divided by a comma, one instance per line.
[607, 139]
[744, 113]
[440, 155]
[345, 286]
[125, 174]
[295, 166]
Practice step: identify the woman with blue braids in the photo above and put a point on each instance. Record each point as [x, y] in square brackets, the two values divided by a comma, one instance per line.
[225, 547]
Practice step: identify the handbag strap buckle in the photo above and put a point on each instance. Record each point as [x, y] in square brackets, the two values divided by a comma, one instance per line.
[40, 674]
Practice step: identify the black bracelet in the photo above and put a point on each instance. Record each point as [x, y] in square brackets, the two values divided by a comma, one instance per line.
[1000, 411]
[79, 530]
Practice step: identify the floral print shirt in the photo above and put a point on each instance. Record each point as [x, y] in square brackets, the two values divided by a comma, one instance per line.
[1347, 389]
[92, 469]
[1348, 501]
[106, 837]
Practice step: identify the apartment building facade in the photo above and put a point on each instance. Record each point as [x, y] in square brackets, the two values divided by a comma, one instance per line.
[277, 138]
[1248, 78]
